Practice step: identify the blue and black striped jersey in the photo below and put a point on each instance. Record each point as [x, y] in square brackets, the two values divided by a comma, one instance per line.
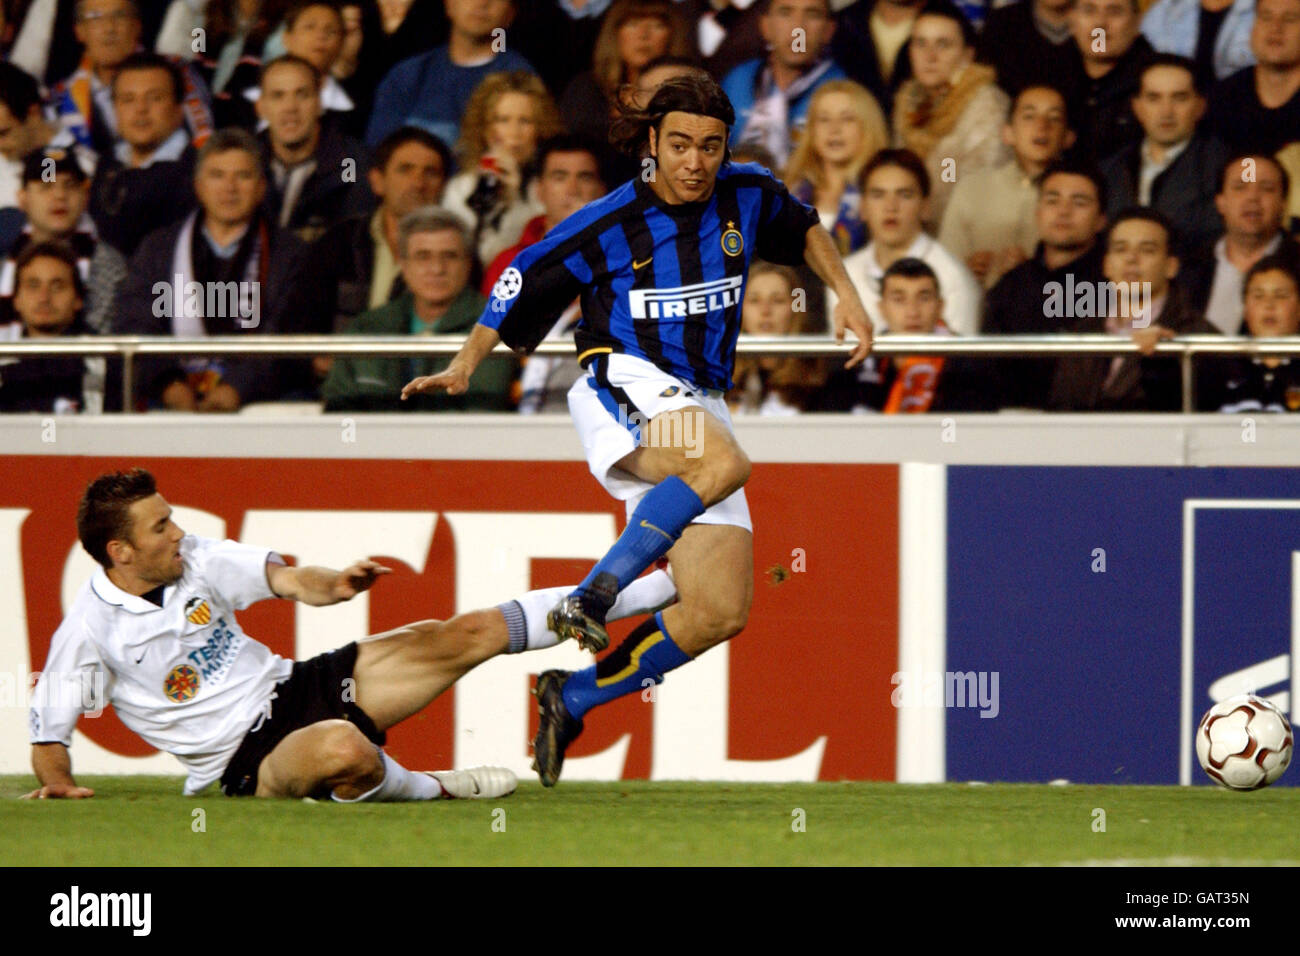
[658, 281]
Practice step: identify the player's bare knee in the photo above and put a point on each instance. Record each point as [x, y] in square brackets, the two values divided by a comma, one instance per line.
[346, 752]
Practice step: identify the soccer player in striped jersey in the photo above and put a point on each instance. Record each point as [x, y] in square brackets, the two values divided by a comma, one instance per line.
[660, 265]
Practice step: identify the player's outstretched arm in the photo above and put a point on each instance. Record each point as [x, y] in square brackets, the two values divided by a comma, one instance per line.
[821, 254]
[323, 586]
[454, 379]
[53, 766]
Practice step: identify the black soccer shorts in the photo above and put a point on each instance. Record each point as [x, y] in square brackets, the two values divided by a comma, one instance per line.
[312, 693]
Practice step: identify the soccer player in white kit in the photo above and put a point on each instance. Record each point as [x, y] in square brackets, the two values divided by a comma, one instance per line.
[154, 633]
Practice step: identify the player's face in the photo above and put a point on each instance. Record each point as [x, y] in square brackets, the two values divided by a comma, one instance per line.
[569, 182]
[1069, 216]
[1167, 105]
[512, 125]
[813, 20]
[911, 305]
[147, 111]
[153, 554]
[1138, 251]
[1251, 201]
[230, 186]
[938, 50]
[688, 153]
[1275, 38]
[436, 267]
[45, 296]
[1037, 131]
[769, 306]
[413, 177]
[1272, 304]
[290, 104]
[317, 37]
[54, 208]
[893, 206]
[836, 129]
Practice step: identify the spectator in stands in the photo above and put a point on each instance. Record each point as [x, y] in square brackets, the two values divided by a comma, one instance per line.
[431, 90]
[846, 127]
[1259, 107]
[1269, 383]
[870, 43]
[950, 111]
[23, 128]
[314, 31]
[312, 166]
[1252, 197]
[657, 72]
[223, 270]
[1025, 42]
[771, 94]
[1148, 306]
[508, 115]
[53, 199]
[1173, 167]
[912, 303]
[1289, 159]
[1214, 34]
[393, 31]
[1100, 75]
[435, 257]
[558, 37]
[146, 182]
[991, 220]
[633, 34]
[729, 33]
[347, 71]
[236, 32]
[774, 384]
[357, 259]
[48, 300]
[569, 177]
[1071, 216]
[47, 46]
[86, 101]
[896, 187]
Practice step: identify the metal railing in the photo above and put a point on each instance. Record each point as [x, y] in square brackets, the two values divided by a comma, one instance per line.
[129, 348]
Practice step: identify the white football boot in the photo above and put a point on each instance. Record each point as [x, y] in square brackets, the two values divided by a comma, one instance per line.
[476, 783]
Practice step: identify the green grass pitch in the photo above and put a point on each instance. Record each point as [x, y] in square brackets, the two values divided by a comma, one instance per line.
[146, 821]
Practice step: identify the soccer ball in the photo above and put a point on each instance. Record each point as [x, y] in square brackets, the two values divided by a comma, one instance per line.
[1244, 743]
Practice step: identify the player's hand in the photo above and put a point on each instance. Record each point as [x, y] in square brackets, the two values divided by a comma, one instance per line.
[59, 791]
[453, 380]
[850, 314]
[356, 578]
[1146, 339]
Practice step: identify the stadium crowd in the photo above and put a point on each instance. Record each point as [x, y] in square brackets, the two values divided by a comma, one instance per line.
[257, 167]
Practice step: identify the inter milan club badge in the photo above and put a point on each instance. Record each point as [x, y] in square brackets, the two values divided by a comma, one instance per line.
[733, 243]
[182, 683]
[197, 611]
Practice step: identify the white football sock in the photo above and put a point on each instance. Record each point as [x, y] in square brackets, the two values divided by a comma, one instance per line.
[526, 615]
[398, 784]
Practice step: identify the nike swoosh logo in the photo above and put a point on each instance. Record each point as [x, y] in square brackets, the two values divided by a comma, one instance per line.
[475, 782]
[140, 658]
[642, 264]
[647, 524]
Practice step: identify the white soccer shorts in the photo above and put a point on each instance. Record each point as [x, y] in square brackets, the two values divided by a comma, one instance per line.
[611, 406]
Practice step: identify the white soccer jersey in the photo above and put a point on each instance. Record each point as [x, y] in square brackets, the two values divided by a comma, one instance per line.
[183, 676]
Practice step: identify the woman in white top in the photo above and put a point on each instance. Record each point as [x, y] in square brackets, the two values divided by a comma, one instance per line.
[507, 116]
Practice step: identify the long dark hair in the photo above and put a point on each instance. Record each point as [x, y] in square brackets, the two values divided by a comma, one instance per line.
[694, 93]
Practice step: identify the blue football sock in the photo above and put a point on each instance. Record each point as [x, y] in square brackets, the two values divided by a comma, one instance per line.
[654, 527]
[648, 652]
